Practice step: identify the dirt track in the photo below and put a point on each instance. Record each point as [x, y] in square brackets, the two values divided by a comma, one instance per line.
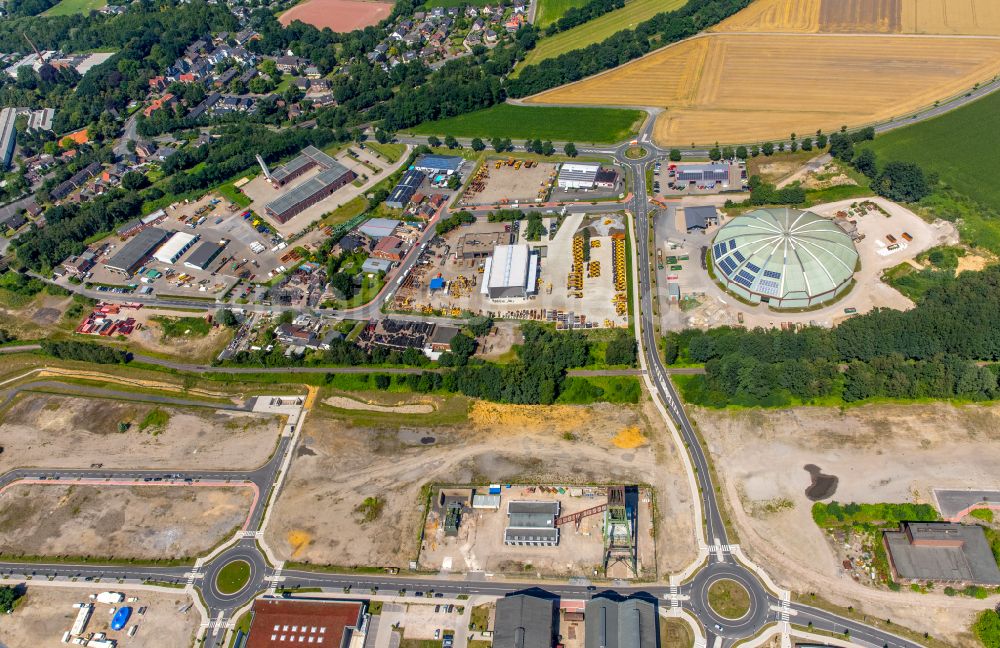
[338, 465]
[118, 521]
[69, 432]
[880, 453]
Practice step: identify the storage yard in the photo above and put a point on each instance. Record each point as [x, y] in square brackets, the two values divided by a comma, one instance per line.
[45, 613]
[880, 453]
[580, 279]
[734, 88]
[48, 430]
[479, 542]
[143, 522]
[507, 181]
[320, 514]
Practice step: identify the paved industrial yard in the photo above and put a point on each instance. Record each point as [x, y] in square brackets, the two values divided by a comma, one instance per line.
[48, 430]
[509, 185]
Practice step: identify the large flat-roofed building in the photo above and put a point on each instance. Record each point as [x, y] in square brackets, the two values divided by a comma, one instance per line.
[204, 255]
[403, 192]
[942, 552]
[175, 247]
[436, 165]
[323, 624]
[309, 192]
[132, 255]
[525, 621]
[480, 244]
[511, 273]
[727, 174]
[628, 623]
[8, 136]
[578, 175]
[532, 523]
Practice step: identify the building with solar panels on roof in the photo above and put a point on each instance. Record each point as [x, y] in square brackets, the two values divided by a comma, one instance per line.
[784, 257]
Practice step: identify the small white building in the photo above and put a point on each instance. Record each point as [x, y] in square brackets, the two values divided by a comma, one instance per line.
[578, 175]
[175, 247]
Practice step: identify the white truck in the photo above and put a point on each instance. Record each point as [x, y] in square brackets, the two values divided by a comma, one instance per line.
[110, 598]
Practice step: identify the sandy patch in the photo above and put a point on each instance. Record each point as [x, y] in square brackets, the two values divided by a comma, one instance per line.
[880, 453]
[118, 521]
[972, 263]
[46, 612]
[349, 403]
[47, 430]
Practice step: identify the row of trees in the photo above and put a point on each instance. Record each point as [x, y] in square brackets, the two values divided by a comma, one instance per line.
[85, 352]
[578, 15]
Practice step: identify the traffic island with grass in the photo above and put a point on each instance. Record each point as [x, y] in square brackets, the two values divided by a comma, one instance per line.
[636, 153]
[233, 577]
[729, 599]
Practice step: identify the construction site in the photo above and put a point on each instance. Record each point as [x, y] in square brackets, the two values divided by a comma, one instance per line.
[576, 274]
[591, 531]
[509, 181]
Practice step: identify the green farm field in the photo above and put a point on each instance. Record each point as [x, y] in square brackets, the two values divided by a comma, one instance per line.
[600, 125]
[595, 31]
[70, 7]
[958, 146]
[550, 11]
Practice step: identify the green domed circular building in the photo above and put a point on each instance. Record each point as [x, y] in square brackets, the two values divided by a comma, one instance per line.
[787, 258]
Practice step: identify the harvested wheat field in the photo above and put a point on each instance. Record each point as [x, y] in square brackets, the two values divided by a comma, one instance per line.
[743, 88]
[973, 17]
[338, 15]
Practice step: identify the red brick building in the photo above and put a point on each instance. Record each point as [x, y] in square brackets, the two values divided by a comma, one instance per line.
[305, 622]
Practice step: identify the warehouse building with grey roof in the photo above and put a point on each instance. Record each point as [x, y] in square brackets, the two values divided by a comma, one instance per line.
[525, 621]
[942, 552]
[134, 253]
[306, 194]
[532, 524]
[621, 623]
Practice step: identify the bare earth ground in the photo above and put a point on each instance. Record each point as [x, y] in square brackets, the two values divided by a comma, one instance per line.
[40, 316]
[344, 402]
[118, 521]
[69, 432]
[46, 613]
[338, 15]
[881, 453]
[150, 337]
[338, 465]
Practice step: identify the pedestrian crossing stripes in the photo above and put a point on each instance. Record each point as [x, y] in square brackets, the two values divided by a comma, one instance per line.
[193, 576]
[249, 534]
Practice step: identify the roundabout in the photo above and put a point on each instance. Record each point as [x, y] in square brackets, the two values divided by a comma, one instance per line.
[233, 576]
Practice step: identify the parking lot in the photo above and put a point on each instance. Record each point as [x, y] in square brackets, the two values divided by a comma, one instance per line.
[554, 300]
[223, 222]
